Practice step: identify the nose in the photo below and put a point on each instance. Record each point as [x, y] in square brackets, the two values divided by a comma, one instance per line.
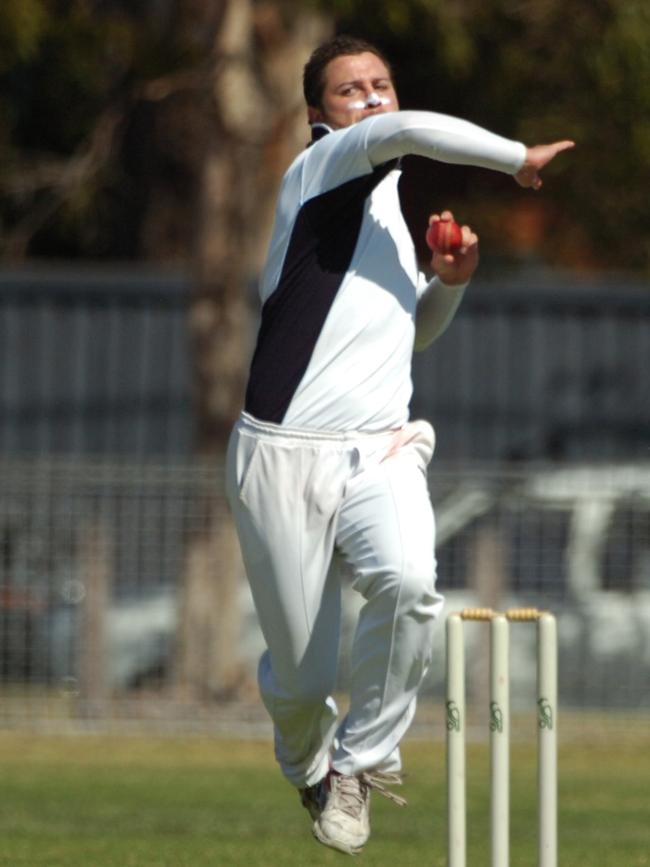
[373, 100]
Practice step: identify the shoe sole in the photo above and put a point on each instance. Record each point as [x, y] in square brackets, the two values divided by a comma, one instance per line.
[334, 844]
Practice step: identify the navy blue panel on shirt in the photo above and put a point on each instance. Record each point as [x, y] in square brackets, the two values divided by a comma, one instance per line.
[321, 248]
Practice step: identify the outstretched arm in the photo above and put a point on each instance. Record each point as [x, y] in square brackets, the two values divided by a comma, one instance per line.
[356, 150]
[452, 140]
[439, 137]
[353, 151]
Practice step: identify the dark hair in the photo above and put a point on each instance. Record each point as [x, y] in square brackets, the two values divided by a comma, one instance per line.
[313, 82]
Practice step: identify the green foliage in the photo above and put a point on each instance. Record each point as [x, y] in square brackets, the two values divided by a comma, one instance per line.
[22, 24]
[64, 69]
[536, 71]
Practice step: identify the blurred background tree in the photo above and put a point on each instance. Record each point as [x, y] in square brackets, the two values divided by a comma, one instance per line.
[160, 135]
[94, 165]
[158, 132]
[535, 71]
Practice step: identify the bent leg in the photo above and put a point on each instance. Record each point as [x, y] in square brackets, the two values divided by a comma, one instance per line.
[297, 599]
[386, 535]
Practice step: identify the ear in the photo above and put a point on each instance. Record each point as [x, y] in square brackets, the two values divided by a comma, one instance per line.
[314, 115]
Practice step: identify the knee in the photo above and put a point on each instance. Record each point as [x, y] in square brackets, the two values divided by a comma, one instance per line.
[413, 587]
[417, 590]
[294, 687]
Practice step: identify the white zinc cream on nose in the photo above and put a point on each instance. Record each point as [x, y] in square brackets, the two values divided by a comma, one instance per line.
[373, 100]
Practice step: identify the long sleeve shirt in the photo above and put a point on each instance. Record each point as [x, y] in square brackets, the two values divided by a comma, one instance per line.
[341, 286]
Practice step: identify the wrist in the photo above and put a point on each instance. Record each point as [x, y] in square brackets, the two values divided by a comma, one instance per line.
[452, 283]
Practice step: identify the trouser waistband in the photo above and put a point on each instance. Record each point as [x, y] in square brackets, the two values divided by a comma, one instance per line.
[248, 423]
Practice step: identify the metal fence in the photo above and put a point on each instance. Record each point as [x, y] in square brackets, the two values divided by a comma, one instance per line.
[542, 366]
[94, 559]
[541, 485]
[535, 367]
[95, 363]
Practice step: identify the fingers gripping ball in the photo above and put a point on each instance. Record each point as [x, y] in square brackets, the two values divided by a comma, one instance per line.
[444, 236]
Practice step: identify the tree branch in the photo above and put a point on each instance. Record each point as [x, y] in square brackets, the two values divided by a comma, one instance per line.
[59, 182]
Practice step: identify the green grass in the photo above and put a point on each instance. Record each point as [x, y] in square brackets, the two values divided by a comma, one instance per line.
[154, 802]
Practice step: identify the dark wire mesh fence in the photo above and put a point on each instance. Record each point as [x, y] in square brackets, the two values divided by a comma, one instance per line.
[534, 367]
[95, 557]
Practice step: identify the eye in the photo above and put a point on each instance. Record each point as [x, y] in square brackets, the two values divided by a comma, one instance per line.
[382, 85]
[348, 90]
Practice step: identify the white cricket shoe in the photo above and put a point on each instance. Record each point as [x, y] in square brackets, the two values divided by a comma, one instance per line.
[344, 823]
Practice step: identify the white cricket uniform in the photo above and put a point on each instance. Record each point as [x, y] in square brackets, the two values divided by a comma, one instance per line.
[326, 476]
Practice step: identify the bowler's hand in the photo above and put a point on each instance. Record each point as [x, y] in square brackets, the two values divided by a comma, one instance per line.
[457, 267]
[536, 158]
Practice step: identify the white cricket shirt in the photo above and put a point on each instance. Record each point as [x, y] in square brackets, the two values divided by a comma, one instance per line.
[341, 282]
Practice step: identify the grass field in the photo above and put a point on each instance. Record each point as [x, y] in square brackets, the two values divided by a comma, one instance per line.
[159, 802]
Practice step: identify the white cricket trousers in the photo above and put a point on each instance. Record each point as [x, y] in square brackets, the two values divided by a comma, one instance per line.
[311, 509]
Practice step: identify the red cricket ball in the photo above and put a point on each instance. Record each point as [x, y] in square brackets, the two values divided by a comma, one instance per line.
[444, 236]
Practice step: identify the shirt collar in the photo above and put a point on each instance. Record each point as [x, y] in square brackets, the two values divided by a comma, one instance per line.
[318, 130]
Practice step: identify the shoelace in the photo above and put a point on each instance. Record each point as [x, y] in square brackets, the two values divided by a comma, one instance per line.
[378, 780]
[351, 793]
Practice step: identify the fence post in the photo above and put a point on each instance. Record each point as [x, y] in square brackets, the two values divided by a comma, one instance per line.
[95, 564]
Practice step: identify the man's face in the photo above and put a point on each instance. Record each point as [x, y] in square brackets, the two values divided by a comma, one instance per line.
[356, 86]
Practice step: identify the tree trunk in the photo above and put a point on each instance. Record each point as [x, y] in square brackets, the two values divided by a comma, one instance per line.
[488, 580]
[256, 123]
